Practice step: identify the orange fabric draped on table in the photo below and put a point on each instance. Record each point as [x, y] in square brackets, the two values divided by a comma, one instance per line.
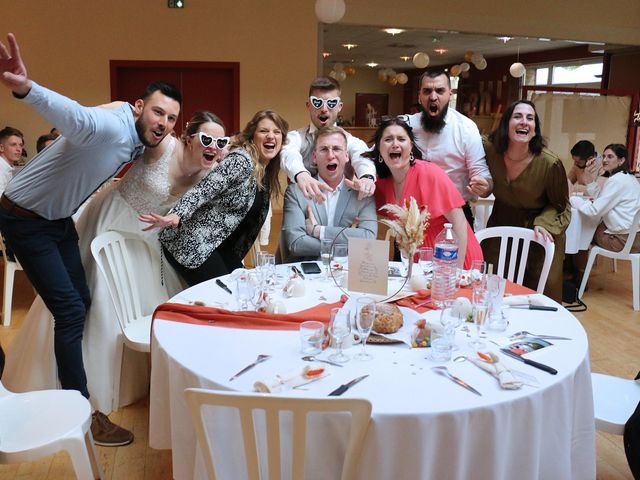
[220, 317]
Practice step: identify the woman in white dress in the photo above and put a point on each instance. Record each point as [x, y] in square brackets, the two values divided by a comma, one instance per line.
[153, 184]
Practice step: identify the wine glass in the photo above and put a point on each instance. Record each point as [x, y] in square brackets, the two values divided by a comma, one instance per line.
[339, 329]
[365, 315]
[325, 256]
[425, 259]
[480, 307]
[405, 262]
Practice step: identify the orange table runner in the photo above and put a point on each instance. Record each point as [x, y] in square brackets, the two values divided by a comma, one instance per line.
[220, 317]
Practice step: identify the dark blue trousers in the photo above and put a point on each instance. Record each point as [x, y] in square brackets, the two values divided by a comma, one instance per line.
[49, 254]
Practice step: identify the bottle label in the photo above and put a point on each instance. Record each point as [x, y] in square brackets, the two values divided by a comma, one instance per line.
[445, 253]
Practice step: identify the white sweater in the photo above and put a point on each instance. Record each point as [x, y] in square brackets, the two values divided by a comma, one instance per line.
[617, 203]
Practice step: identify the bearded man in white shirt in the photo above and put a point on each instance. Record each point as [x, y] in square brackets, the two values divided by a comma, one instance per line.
[450, 140]
[324, 105]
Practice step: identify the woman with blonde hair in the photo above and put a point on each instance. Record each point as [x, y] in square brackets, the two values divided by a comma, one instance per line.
[212, 227]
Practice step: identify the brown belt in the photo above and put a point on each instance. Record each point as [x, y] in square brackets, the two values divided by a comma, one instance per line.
[17, 210]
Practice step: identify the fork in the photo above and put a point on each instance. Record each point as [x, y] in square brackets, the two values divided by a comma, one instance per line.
[260, 359]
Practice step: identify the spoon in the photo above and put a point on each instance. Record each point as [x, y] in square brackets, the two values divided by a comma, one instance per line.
[524, 333]
[311, 358]
[260, 359]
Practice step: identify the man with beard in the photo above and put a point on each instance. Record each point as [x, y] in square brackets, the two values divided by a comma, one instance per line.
[450, 140]
[36, 207]
[324, 105]
[306, 223]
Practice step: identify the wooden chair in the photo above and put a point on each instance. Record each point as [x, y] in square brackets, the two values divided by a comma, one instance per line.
[272, 406]
[518, 240]
[624, 254]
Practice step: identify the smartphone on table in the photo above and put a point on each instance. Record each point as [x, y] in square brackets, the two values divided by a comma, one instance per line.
[310, 268]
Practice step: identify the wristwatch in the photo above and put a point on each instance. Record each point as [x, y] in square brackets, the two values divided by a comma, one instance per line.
[369, 176]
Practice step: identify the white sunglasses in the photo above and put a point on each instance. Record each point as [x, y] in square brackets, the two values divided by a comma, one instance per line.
[207, 141]
[319, 102]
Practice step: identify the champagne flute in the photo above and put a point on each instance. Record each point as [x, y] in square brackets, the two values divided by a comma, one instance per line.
[339, 329]
[268, 269]
[480, 307]
[325, 255]
[365, 315]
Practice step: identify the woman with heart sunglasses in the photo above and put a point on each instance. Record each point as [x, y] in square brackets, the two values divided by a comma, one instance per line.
[212, 227]
[152, 184]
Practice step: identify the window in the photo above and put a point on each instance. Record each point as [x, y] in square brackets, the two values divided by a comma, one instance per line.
[585, 74]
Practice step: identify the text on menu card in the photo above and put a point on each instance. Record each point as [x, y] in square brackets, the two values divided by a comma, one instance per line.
[368, 266]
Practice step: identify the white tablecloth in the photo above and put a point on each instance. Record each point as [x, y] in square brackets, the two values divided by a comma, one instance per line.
[423, 426]
[580, 231]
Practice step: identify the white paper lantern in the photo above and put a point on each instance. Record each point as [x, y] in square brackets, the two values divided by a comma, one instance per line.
[330, 11]
[421, 60]
[476, 57]
[517, 70]
[464, 67]
[333, 74]
[338, 67]
[402, 78]
[382, 75]
[391, 72]
[341, 76]
[481, 64]
[455, 70]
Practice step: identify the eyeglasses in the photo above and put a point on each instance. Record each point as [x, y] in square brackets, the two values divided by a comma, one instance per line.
[207, 141]
[326, 149]
[319, 102]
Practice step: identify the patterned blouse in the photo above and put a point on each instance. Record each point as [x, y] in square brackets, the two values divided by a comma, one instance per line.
[211, 210]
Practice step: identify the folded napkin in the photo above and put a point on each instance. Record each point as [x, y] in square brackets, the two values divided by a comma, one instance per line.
[503, 374]
[292, 379]
[201, 315]
[534, 299]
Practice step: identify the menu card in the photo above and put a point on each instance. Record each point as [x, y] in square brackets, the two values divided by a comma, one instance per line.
[368, 265]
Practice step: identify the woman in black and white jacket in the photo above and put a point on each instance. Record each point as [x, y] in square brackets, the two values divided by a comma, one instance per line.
[212, 227]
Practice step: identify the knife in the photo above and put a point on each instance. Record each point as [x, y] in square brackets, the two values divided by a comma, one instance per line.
[222, 285]
[533, 363]
[527, 306]
[343, 388]
[445, 372]
[297, 270]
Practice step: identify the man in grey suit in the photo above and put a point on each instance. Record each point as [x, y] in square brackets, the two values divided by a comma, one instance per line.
[307, 222]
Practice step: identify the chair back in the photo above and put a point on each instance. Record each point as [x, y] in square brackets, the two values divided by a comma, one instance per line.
[614, 400]
[517, 240]
[113, 258]
[7, 260]
[633, 231]
[272, 406]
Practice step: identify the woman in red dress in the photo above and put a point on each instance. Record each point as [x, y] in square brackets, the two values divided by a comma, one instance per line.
[401, 175]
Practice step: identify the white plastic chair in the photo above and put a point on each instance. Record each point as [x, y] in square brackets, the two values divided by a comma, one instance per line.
[272, 406]
[10, 268]
[518, 239]
[624, 254]
[37, 424]
[112, 256]
[614, 400]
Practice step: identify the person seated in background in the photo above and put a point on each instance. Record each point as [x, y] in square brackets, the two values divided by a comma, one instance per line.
[342, 215]
[615, 204]
[11, 145]
[402, 175]
[324, 105]
[44, 141]
[613, 156]
[583, 154]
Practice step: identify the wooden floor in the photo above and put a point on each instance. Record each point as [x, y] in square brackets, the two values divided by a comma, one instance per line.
[612, 325]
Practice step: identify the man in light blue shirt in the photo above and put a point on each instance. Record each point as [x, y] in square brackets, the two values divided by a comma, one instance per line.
[36, 207]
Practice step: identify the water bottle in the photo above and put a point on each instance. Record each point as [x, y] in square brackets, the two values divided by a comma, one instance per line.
[445, 260]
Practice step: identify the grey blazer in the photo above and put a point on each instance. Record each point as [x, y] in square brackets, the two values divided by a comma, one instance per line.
[296, 245]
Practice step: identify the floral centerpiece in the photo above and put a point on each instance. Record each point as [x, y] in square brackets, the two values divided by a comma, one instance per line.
[408, 226]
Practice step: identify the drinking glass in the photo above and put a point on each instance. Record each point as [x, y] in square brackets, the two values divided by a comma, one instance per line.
[339, 329]
[325, 256]
[478, 277]
[365, 315]
[450, 319]
[341, 254]
[245, 291]
[480, 306]
[425, 259]
[405, 263]
[267, 270]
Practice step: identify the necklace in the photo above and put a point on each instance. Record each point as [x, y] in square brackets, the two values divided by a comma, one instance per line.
[526, 157]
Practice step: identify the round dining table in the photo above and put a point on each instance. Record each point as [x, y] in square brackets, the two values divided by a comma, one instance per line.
[423, 425]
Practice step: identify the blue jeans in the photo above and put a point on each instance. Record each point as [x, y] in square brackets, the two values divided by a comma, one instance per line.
[49, 254]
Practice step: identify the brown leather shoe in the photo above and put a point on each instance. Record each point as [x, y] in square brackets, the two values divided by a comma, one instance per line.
[108, 434]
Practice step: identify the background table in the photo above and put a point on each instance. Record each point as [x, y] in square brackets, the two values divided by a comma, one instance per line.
[423, 425]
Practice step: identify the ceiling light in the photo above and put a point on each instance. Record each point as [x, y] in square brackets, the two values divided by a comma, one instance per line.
[440, 51]
[406, 58]
[326, 54]
[393, 31]
[372, 64]
[544, 39]
[349, 46]
[504, 39]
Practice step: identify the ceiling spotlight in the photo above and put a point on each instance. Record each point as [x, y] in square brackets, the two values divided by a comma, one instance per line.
[372, 64]
[436, 39]
[504, 39]
[326, 54]
[440, 51]
[176, 4]
[393, 31]
[349, 46]
[406, 58]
